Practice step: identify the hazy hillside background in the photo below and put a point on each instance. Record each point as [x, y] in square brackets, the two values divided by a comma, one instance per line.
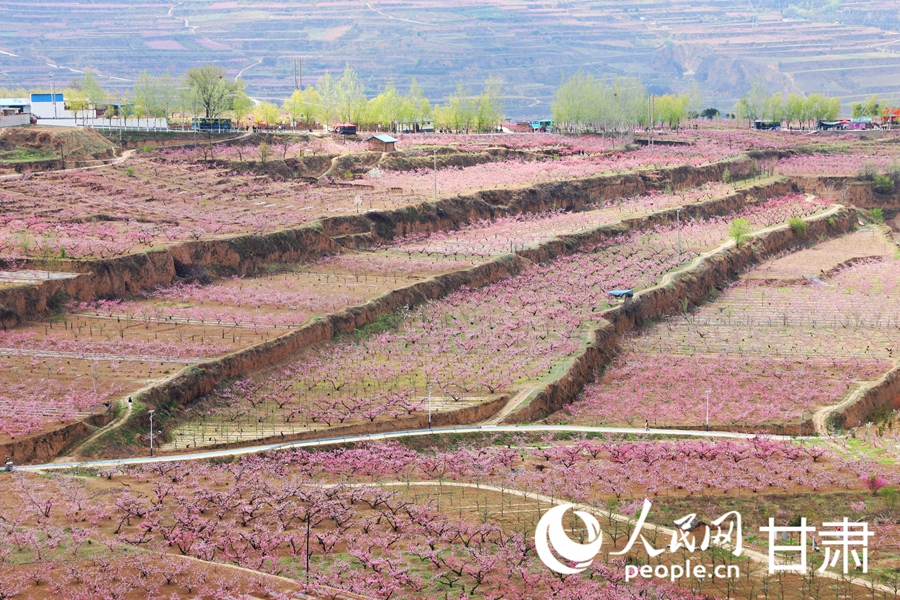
[847, 49]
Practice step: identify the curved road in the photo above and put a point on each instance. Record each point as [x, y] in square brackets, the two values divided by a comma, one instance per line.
[396, 434]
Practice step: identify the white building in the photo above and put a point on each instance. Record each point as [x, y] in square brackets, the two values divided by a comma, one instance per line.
[51, 109]
[50, 106]
[14, 112]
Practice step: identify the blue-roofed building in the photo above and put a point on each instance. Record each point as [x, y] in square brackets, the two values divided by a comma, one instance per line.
[47, 98]
[382, 142]
[51, 106]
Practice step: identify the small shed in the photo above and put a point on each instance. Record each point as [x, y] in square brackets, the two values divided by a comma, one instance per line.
[382, 142]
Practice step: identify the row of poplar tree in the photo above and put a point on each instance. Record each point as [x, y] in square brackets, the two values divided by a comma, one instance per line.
[581, 103]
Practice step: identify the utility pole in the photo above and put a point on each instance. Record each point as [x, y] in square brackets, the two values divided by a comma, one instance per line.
[435, 174]
[678, 227]
[429, 407]
[53, 95]
[707, 410]
[151, 431]
[298, 74]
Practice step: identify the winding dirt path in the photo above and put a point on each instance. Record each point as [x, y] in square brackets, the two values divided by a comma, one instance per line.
[511, 405]
[328, 592]
[820, 417]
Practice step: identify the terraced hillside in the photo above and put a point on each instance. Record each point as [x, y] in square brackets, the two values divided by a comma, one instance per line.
[415, 380]
[720, 44]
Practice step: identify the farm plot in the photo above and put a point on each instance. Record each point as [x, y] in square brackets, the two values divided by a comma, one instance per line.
[381, 519]
[823, 258]
[99, 350]
[117, 211]
[488, 341]
[62, 371]
[167, 197]
[836, 165]
[520, 173]
[250, 309]
[335, 537]
[715, 142]
[760, 354]
[508, 234]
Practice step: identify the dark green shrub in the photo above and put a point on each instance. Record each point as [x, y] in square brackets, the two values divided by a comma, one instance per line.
[883, 184]
[798, 225]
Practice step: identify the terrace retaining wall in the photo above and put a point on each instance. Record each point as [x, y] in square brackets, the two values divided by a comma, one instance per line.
[851, 191]
[364, 231]
[884, 393]
[688, 288]
[458, 160]
[200, 379]
[49, 444]
[127, 275]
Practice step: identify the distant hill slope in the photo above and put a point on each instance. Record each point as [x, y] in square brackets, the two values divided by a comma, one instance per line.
[531, 44]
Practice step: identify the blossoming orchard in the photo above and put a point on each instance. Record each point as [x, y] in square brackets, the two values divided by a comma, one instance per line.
[480, 366]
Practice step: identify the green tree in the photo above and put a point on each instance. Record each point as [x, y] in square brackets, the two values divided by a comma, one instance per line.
[873, 106]
[418, 105]
[774, 108]
[386, 108]
[126, 109]
[740, 230]
[582, 103]
[489, 109]
[19, 92]
[266, 112]
[461, 109]
[77, 101]
[92, 90]
[188, 102]
[819, 107]
[671, 109]
[166, 91]
[350, 96]
[145, 97]
[342, 98]
[304, 106]
[212, 90]
[752, 104]
[241, 105]
[327, 88]
[798, 225]
[793, 108]
[695, 101]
